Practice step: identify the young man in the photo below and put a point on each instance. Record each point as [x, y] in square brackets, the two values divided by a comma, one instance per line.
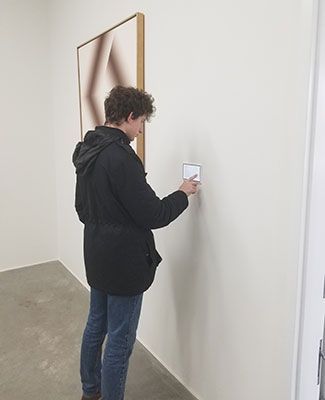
[118, 209]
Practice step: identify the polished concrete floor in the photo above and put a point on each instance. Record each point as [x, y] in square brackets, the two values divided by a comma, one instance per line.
[43, 310]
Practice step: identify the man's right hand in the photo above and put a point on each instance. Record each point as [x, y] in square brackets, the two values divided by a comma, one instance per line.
[189, 186]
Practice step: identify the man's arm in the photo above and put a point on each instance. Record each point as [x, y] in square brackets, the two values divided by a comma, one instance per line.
[140, 200]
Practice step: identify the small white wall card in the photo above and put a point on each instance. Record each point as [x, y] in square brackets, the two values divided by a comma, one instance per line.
[190, 170]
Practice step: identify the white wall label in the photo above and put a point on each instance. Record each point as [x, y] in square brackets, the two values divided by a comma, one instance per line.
[190, 170]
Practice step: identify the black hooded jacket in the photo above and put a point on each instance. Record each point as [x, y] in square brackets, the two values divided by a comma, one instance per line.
[118, 209]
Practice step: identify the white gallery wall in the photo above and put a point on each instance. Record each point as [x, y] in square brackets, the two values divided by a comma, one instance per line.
[231, 86]
[231, 82]
[28, 212]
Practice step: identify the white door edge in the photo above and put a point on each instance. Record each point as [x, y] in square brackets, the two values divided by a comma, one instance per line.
[307, 183]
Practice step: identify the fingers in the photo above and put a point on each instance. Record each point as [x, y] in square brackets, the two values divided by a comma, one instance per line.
[191, 178]
[194, 187]
[193, 182]
[190, 186]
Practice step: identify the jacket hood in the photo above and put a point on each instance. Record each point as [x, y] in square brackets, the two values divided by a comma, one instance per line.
[86, 152]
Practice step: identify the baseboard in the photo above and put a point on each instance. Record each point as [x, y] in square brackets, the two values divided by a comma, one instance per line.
[75, 276]
[29, 265]
[168, 369]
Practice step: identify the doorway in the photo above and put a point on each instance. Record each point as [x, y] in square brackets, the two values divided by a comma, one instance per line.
[310, 378]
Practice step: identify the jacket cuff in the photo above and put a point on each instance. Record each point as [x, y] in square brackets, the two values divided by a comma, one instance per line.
[183, 197]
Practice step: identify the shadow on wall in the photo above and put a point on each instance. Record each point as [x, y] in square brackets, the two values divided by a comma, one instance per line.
[207, 267]
[189, 280]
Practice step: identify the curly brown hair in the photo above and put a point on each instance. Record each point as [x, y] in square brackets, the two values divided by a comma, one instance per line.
[122, 101]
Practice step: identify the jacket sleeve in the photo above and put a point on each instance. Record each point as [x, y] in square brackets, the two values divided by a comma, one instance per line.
[140, 200]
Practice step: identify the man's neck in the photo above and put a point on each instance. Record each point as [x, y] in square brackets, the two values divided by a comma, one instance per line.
[120, 127]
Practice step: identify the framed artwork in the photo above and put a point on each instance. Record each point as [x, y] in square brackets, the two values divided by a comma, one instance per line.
[115, 57]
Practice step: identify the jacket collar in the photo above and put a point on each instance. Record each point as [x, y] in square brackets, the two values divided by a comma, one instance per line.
[115, 131]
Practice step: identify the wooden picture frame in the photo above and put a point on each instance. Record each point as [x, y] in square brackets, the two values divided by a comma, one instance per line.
[115, 57]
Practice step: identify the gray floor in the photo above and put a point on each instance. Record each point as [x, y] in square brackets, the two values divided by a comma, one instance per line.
[43, 310]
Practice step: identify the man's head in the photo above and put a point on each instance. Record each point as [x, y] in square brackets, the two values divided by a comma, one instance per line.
[127, 108]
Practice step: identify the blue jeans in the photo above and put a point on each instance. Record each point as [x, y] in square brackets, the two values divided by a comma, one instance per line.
[118, 317]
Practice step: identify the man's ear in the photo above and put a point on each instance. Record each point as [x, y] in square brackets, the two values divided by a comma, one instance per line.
[130, 117]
